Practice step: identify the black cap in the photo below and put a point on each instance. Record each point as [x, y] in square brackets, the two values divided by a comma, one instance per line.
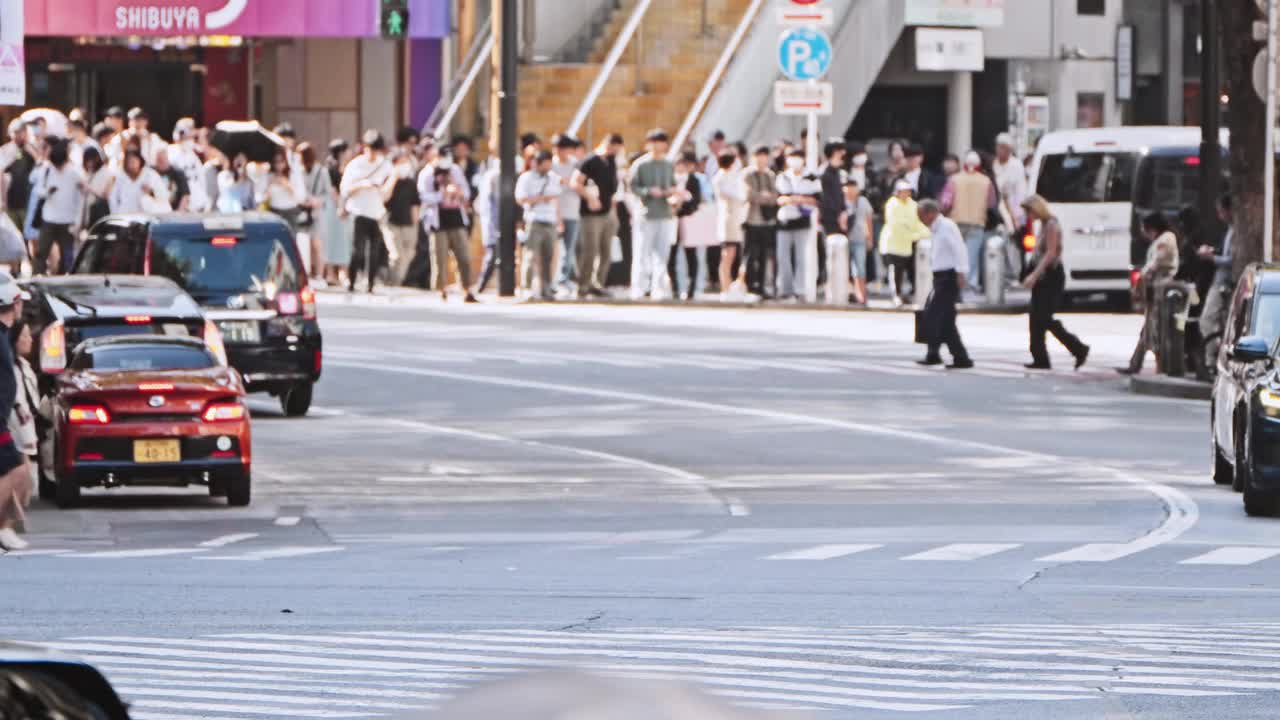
[285, 130]
[566, 141]
[657, 135]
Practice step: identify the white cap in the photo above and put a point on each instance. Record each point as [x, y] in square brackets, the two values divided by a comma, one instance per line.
[902, 185]
[860, 160]
[15, 125]
[10, 292]
[973, 160]
[182, 128]
[1005, 139]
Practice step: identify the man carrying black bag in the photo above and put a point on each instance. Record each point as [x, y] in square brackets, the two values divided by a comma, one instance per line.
[950, 262]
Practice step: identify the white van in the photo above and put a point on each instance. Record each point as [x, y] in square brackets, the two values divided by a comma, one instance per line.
[1090, 178]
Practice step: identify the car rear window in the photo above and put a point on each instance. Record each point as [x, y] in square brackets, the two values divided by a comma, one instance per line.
[1171, 183]
[1087, 177]
[90, 331]
[143, 356]
[254, 262]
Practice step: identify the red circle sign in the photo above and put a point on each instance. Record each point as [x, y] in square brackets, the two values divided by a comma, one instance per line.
[805, 2]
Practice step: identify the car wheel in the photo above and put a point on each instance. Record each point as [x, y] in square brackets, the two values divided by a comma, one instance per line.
[239, 489]
[296, 401]
[1258, 504]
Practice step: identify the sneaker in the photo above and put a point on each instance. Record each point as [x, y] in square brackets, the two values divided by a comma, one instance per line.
[930, 361]
[9, 540]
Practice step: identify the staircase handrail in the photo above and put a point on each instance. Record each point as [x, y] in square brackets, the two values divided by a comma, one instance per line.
[610, 62]
[717, 72]
[446, 108]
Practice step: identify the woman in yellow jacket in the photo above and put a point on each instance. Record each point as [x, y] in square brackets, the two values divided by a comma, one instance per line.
[902, 229]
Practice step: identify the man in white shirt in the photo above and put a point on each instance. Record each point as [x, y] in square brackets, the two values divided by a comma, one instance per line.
[444, 194]
[949, 259]
[139, 132]
[366, 186]
[538, 190]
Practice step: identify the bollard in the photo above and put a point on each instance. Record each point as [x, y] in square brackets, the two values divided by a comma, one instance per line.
[993, 277]
[1171, 327]
[837, 269]
[808, 280]
[924, 272]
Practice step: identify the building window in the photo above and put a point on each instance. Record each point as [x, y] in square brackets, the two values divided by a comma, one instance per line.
[1091, 7]
[1089, 110]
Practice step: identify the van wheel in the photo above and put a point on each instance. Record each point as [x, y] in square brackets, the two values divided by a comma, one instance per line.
[239, 489]
[1259, 504]
[296, 401]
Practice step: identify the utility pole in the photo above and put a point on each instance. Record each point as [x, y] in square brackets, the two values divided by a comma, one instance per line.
[1210, 119]
[506, 51]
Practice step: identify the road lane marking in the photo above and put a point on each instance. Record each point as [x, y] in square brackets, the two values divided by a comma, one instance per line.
[252, 710]
[823, 552]
[1181, 512]
[147, 553]
[1233, 556]
[228, 540]
[1090, 553]
[963, 551]
[272, 554]
[288, 520]
[33, 553]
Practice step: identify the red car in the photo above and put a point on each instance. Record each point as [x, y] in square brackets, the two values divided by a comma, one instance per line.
[147, 410]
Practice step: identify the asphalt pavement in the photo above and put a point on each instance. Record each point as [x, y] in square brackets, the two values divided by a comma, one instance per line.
[776, 505]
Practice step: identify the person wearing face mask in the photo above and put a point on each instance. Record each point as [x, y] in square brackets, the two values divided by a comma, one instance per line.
[731, 214]
[797, 203]
[402, 214]
[366, 185]
[761, 227]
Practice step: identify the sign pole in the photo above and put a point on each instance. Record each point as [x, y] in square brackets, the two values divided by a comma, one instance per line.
[1269, 167]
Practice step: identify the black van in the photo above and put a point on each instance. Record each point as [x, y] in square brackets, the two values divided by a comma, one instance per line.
[245, 272]
[1167, 180]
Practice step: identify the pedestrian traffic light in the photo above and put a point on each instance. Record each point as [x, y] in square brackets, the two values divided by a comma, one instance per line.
[395, 19]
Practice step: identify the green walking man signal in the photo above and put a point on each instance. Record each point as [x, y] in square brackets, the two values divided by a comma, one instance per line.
[395, 18]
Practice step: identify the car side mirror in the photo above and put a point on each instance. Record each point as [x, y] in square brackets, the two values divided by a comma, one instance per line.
[1251, 349]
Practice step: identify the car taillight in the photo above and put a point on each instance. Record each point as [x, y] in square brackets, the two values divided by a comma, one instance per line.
[137, 319]
[213, 341]
[223, 412]
[308, 297]
[53, 348]
[88, 415]
[319, 360]
[1135, 277]
[155, 387]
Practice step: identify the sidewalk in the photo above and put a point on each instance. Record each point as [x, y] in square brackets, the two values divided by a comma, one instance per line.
[1183, 388]
[1017, 303]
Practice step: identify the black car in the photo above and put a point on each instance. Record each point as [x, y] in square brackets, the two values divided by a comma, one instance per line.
[65, 311]
[247, 274]
[1245, 416]
[37, 683]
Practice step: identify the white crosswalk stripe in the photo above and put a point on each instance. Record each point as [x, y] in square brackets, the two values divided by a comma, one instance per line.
[261, 675]
[1233, 556]
[962, 551]
[823, 552]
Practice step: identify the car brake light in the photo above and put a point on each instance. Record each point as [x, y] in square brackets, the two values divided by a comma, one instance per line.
[155, 387]
[223, 241]
[222, 412]
[308, 297]
[88, 415]
[213, 341]
[287, 303]
[137, 319]
[53, 348]
[319, 360]
[90, 456]
[1191, 161]
[1135, 277]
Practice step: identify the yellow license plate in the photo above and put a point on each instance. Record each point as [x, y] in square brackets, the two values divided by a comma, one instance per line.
[157, 451]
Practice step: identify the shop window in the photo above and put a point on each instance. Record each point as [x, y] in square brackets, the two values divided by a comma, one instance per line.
[1091, 7]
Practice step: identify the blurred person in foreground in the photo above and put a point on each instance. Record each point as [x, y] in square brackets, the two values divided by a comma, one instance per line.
[564, 694]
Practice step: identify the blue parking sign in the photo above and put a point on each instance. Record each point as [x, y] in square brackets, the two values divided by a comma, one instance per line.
[804, 53]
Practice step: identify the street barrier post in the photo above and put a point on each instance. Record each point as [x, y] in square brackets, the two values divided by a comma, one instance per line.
[1171, 327]
[924, 272]
[837, 269]
[993, 275]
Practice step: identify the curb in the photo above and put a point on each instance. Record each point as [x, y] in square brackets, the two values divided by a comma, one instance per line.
[965, 309]
[1170, 387]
